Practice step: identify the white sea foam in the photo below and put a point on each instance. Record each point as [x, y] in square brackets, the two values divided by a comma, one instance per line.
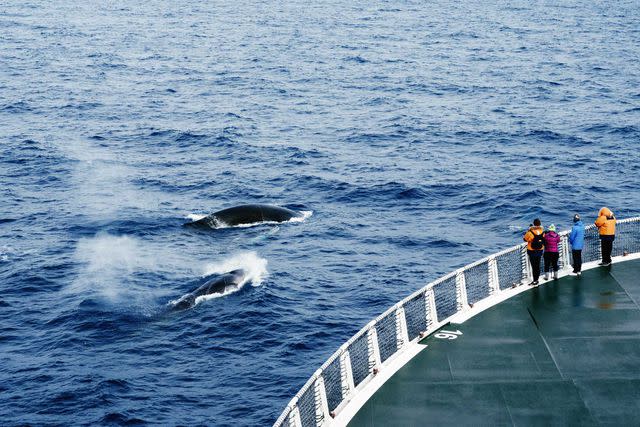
[10, 253]
[254, 266]
[201, 298]
[4, 253]
[195, 217]
[305, 215]
[516, 227]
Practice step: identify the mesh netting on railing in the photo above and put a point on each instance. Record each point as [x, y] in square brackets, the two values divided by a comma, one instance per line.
[627, 238]
[307, 407]
[622, 240]
[446, 297]
[477, 282]
[332, 376]
[591, 250]
[511, 266]
[364, 358]
[360, 352]
[415, 313]
[386, 329]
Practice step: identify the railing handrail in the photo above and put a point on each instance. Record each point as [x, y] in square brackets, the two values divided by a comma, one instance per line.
[428, 291]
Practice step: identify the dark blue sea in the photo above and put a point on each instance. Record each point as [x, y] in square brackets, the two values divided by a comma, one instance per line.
[421, 135]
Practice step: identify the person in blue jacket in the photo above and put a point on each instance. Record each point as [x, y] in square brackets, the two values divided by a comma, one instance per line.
[576, 239]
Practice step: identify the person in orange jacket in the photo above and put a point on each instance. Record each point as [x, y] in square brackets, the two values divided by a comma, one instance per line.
[535, 247]
[606, 224]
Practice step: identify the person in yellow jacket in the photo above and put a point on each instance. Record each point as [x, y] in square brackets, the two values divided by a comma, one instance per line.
[606, 224]
[535, 247]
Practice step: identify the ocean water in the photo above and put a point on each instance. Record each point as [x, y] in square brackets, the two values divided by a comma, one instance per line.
[422, 136]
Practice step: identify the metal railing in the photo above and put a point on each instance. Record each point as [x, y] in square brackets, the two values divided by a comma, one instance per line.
[370, 350]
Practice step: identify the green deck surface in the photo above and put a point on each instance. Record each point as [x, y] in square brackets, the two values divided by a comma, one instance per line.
[566, 353]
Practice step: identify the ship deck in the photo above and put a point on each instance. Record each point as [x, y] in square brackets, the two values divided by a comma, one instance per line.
[567, 352]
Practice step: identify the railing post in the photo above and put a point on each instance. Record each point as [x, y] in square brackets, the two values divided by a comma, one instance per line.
[526, 265]
[347, 379]
[494, 281]
[461, 290]
[599, 245]
[427, 309]
[322, 407]
[294, 417]
[373, 336]
[564, 256]
[432, 313]
[402, 333]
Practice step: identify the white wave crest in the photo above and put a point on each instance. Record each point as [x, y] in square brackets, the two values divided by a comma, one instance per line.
[4, 253]
[254, 266]
[305, 215]
[195, 217]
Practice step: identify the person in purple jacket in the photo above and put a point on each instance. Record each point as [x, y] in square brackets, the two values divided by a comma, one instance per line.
[551, 255]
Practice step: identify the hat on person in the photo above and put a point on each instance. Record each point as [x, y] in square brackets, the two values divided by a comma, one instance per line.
[576, 218]
[552, 227]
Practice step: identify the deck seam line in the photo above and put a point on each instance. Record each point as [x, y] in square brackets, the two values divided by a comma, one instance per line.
[546, 344]
[624, 289]
[450, 369]
[584, 401]
[533, 356]
[622, 335]
[617, 376]
[504, 398]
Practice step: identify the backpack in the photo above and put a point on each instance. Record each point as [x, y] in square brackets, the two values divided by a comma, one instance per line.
[538, 241]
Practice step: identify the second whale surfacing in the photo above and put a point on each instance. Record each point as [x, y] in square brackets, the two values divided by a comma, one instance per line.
[246, 215]
[217, 285]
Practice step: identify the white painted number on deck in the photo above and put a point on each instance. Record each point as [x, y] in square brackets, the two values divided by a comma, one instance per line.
[448, 335]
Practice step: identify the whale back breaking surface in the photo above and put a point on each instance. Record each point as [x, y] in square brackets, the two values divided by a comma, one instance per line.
[216, 285]
[219, 285]
[245, 214]
[237, 215]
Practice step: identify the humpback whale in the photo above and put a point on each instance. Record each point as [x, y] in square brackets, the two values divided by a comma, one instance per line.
[246, 214]
[217, 285]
